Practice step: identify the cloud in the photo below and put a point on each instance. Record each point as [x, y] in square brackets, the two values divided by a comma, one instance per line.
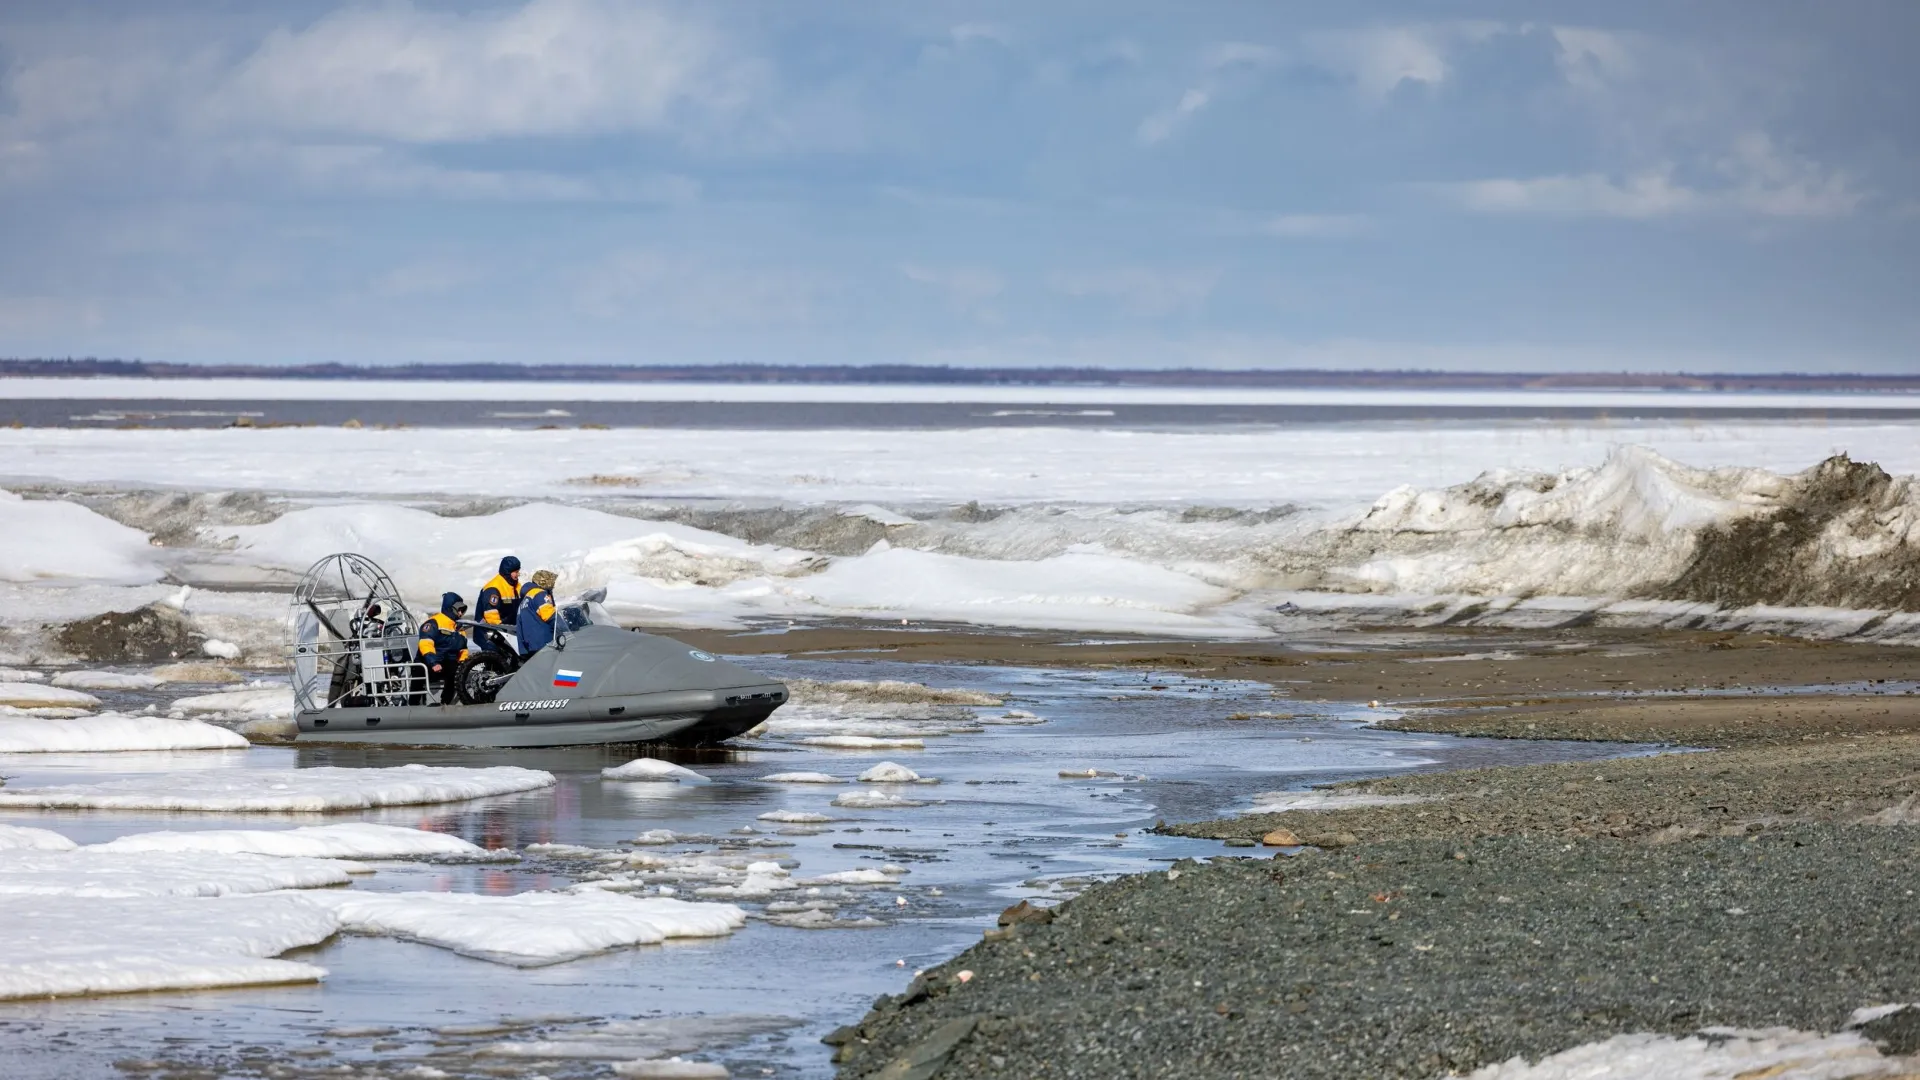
[1754, 178]
[968, 289]
[549, 67]
[661, 288]
[1160, 124]
[1380, 58]
[1141, 290]
[1296, 226]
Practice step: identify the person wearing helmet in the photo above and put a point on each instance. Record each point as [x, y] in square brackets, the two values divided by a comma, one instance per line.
[537, 609]
[443, 645]
[499, 603]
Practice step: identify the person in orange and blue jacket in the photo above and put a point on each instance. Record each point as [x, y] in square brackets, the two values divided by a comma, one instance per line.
[443, 645]
[536, 613]
[499, 603]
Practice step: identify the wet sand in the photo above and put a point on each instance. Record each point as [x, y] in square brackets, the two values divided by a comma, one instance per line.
[1527, 909]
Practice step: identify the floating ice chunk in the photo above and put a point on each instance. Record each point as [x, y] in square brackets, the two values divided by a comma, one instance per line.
[865, 875]
[763, 879]
[802, 778]
[94, 945]
[109, 732]
[1273, 802]
[14, 674]
[863, 742]
[9, 712]
[21, 837]
[91, 872]
[311, 790]
[670, 1069]
[104, 680]
[26, 695]
[655, 837]
[1778, 1053]
[352, 840]
[262, 702]
[652, 769]
[220, 650]
[1013, 718]
[882, 692]
[874, 800]
[888, 772]
[47, 540]
[823, 920]
[795, 817]
[529, 929]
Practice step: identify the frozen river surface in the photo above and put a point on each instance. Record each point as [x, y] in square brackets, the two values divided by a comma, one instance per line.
[1001, 824]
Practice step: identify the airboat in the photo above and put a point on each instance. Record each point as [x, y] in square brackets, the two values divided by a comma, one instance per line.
[357, 677]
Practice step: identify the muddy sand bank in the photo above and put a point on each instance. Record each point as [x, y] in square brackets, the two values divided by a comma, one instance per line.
[1481, 915]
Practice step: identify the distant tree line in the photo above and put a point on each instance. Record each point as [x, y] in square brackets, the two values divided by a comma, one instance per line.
[908, 374]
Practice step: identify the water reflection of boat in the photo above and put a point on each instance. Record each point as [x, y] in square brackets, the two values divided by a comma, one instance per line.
[357, 679]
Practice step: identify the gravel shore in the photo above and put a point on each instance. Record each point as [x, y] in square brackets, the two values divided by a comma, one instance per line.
[1488, 914]
[1417, 958]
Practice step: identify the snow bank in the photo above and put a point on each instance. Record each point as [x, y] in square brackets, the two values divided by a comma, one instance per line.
[1778, 1053]
[104, 680]
[426, 554]
[21, 837]
[23, 695]
[297, 790]
[92, 872]
[652, 769]
[61, 542]
[1075, 591]
[529, 929]
[353, 840]
[92, 945]
[113, 732]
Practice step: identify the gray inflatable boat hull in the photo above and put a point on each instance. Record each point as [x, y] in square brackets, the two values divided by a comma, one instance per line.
[606, 686]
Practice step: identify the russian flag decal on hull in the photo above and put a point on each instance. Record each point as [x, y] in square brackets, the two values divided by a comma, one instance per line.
[567, 679]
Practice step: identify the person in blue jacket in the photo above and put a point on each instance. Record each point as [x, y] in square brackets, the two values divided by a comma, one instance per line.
[443, 645]
[499, 603]
[535, 627]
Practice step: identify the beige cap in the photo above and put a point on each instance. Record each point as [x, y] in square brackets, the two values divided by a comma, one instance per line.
[545, 578]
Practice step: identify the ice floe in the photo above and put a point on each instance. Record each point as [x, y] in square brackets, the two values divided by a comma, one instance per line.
[889, 772]
[349, 840]
[105, 680]
[195, 671]
[91, 872]
[528, 929]
[863, 742]
[1717, 1054]
[802, 778]
[652, 769]
[34, 695]
[874, 800]
[295, 790]
[274, 702]
[795, 817]
[110, 732]
[22, 837]
[99, 945]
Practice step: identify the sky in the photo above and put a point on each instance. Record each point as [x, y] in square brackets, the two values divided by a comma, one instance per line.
[1722, 185]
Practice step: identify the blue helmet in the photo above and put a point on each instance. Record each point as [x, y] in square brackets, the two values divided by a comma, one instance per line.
[449, 601]
[509, 565]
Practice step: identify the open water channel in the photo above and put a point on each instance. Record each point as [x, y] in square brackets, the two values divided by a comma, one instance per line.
[1002, 823]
